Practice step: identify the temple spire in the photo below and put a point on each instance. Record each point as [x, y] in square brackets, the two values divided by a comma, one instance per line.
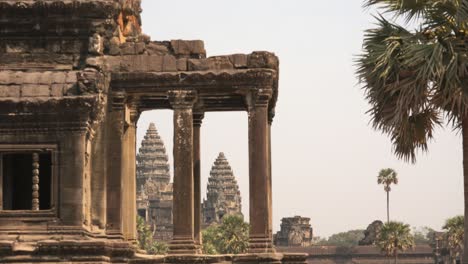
[223, 195]
[152, 160]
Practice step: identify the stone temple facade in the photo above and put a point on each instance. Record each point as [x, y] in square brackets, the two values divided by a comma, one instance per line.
[74, 77]
[154, 190]
[295, 232]
[223, 195]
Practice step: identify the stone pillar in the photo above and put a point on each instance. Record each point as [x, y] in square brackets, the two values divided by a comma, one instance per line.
[271, 115]
[115, 132]
[121, 172]
[260, 202]
[183, 239]
[128, 187]
[98, 177]
[197, 121]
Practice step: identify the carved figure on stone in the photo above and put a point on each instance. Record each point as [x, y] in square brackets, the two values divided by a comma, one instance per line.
[371, 233]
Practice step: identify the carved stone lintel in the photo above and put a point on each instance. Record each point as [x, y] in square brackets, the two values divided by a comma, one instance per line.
[182, 99]
[35, 181]
[198, 118]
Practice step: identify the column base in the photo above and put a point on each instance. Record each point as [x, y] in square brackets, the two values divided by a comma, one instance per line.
[182, 246]
[261, 245]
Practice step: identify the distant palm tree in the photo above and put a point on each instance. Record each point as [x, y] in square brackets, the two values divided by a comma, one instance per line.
[387, 177]
[454, 235]
[395, 237]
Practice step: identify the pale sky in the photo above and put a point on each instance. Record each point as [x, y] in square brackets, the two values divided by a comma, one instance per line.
[326, 156]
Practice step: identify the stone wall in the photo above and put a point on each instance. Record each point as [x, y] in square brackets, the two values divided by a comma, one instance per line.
[422, 254]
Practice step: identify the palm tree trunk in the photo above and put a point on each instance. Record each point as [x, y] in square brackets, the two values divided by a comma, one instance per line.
[388, 206]
[465, 185]
[396, 257]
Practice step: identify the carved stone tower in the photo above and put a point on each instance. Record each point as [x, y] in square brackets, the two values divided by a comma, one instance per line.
[223, 195]
[152, 160]
[295, 232]
[154, 190]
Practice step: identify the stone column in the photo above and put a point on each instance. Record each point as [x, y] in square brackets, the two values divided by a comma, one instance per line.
[271, 115]
[183, 238]
[260, 203]
[114, 136]
[197, 121]
[98, 177]
[129, 209]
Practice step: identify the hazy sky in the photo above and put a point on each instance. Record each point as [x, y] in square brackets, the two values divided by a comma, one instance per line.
[326, 157]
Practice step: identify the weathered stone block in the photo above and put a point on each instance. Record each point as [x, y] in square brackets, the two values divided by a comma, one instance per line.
[192, 48]
[10, 91]
[71, 77]
[139, 47]
[262, 59]
[143, 63]
[169, 63]
[213, 63]
[127, 48]
[34, 90]
[114, 46]
[45, 78]
[197, 65]
[239, 61]
[7, 77]
[58, 77]
[56, 90]
[182, 64]
[219, 63]
[71, 46]
[31, 77]
[154, 48]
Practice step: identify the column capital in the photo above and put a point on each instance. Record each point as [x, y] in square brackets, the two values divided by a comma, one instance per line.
[271, 116]
[198, 117]
[259, 98]
[182, 99]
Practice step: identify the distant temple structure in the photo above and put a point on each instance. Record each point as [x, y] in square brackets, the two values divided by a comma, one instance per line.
[223, 195]
[154, 190]
[295, 232]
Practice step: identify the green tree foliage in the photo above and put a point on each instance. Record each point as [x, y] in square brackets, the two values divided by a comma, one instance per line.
[146, 241]
[415, 73]
[454, 235]
[423, 235]
[344, 239]
[229, 237]
[395, 237]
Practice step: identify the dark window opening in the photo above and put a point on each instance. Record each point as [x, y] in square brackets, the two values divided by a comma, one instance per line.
[17, 181]
[142, 213]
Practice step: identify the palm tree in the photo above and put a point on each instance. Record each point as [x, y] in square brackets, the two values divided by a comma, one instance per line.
[414, 77]
[387, 177]
[454, 236]
[395, 237]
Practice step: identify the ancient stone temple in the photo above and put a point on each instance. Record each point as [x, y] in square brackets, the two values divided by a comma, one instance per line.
[223, 195]
[74, 77]
[154, 190]
[295, 232]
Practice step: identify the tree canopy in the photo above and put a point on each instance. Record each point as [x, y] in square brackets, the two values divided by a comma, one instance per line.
[229, 237]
